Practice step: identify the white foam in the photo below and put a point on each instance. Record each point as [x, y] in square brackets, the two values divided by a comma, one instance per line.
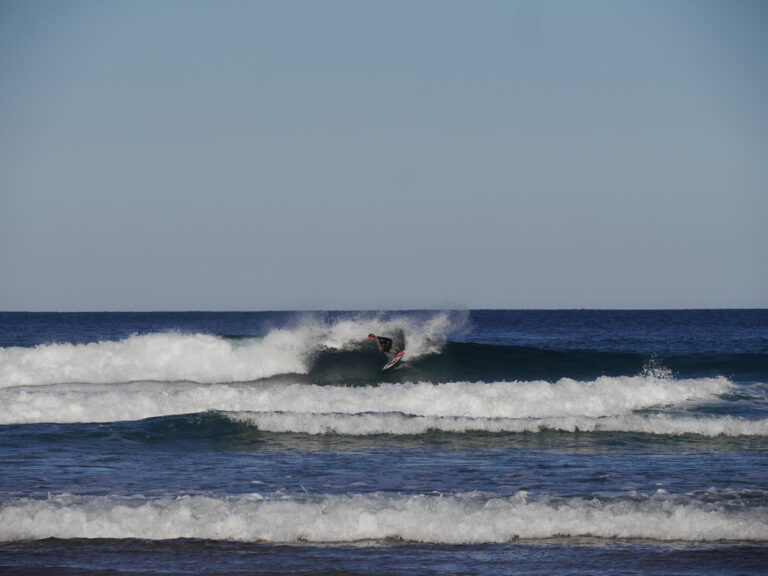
[422, 335]
[173, 357]
[456, 519]
[605, 396]
[401, 424]
[159, 357]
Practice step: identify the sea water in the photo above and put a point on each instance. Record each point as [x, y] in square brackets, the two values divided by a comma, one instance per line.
[507, 442]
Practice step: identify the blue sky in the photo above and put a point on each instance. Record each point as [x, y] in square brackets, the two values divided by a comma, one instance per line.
[188, 155]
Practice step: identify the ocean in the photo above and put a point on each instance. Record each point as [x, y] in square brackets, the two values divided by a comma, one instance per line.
[506, 442]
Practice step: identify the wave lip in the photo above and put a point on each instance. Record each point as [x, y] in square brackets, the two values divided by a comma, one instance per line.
[404, 424]
[470, 518]
[606, 396]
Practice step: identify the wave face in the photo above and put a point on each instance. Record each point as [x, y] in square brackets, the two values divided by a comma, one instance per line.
[470, 518]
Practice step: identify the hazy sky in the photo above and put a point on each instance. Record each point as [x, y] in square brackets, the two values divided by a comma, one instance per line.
[255, 155]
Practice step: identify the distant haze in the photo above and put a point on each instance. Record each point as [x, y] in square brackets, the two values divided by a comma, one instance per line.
[243, 155]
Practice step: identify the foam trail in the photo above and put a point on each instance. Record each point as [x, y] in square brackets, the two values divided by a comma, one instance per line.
[402, 424]
[203, 358]
[459, 519]
[605, 396]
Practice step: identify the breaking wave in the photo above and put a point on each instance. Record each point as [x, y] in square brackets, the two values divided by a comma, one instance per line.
[314, 351]
[466, 518]
[205, 358]
[324, 378]
[402, 424]
[317, 407]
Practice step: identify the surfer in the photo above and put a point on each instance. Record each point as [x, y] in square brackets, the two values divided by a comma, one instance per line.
[384, 343]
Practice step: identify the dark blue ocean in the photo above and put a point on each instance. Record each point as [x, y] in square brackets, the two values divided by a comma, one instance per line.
[506, 442]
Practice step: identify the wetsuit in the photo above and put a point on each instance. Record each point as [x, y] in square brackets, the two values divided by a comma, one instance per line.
[384, 343]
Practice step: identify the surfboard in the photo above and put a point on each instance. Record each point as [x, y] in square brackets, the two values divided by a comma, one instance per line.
[394, 361]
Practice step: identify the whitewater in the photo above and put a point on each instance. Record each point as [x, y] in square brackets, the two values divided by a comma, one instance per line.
[164, 374]
[453, 519]
[606, 404]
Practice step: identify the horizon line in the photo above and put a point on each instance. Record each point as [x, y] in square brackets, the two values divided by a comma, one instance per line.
[346, 310]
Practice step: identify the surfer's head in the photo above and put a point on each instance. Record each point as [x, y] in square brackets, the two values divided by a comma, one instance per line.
[371, 336]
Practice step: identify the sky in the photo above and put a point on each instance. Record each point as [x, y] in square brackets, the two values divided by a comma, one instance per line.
[298, 155]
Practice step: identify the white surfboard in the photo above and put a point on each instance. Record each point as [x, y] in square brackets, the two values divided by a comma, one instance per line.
[394, 361]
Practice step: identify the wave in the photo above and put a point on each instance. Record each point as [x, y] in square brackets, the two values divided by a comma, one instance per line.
[336, 352]
[403, 424]
[566, 398]
[205, 358]
[468, 518]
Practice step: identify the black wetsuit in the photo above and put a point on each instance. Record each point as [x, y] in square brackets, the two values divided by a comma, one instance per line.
[384, 343]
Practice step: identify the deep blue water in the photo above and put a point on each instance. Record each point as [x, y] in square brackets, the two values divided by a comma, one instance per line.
[508, 442]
